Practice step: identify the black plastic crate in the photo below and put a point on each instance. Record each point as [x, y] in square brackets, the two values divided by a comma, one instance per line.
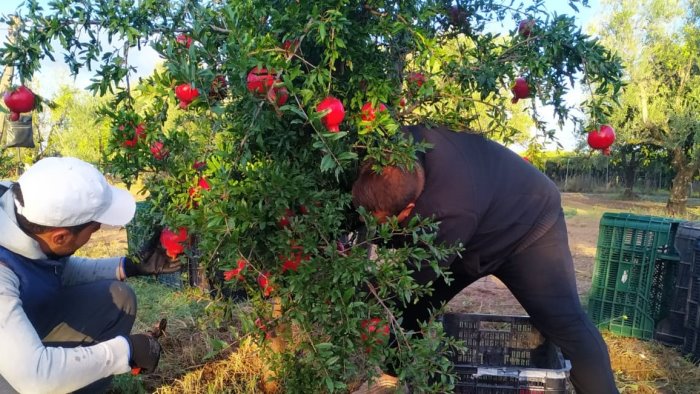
[669, 295]
[505, 354]
[688, 246]
[142, 229]
[691, 346]
[686, 240]
[693, 304]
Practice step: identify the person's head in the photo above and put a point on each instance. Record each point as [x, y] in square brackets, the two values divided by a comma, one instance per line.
[61, 202]
[391, 192]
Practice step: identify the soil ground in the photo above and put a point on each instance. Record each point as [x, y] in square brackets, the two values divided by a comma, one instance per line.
[489, 295]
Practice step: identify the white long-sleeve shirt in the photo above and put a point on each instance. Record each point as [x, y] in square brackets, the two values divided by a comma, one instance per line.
[25, 363]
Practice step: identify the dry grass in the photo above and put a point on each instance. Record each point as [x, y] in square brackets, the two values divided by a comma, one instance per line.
[640, 367]
[650, 367]
[239, 373]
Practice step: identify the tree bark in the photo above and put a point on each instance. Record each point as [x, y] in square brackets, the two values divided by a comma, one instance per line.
[630, 171]
[678, 199]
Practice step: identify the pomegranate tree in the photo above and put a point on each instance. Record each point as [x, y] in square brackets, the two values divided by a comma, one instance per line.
[282, 127]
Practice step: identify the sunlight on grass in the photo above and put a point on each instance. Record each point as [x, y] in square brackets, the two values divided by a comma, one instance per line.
[570, 212]
[196, 325]
[106, 242]
[240, 373]
[650, 367]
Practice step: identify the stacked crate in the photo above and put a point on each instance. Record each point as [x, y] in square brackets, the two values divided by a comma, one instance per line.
[688, 284]
[633, 286]
[504, 354]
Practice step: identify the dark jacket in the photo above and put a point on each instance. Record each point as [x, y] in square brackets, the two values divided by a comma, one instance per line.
[485, 197]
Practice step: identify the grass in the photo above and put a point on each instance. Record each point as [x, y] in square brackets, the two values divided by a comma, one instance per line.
[200, 346]
[239, 373]
[647, 204]
[194, 360]
[650, 367]
[201, 332]
[570, 212]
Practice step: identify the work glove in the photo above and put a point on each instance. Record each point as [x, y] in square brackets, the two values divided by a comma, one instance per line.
[151, 260]
[145, 353]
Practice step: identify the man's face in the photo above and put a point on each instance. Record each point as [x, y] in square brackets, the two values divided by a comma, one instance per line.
[64, 244]
[382, 216]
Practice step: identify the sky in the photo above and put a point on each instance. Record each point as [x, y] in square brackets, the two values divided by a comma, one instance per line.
[52, 75]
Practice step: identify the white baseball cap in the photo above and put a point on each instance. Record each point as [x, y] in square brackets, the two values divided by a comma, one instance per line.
[65, 192]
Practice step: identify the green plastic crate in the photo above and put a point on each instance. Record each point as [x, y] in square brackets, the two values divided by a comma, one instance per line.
[633, 279]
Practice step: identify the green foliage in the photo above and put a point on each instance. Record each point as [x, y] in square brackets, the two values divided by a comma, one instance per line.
[77, 130]
[9, 164]
[657, 42]
[263, 184]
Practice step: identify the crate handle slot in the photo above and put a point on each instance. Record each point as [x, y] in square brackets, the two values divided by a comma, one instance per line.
[495, 326]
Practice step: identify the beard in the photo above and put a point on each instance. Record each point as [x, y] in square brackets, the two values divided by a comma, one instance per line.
[58, 256]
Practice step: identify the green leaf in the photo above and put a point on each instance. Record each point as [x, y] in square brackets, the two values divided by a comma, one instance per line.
[322, 31]
[346, 156]
[296, 110]
[327, 163]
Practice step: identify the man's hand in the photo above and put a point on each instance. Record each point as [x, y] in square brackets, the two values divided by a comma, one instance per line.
[155, 263]
[145, 353]
[151, 260]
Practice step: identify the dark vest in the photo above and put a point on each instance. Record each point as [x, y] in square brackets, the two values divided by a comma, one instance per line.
[39, 282]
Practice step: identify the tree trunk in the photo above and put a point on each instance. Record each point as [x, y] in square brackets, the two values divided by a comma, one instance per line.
[677, 200]
[7, 74]
[630, 171]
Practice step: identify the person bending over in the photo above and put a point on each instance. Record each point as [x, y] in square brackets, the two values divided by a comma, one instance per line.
[509, 219]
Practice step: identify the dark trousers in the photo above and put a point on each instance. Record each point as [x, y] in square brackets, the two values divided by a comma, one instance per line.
[87, 314]
[542, 279]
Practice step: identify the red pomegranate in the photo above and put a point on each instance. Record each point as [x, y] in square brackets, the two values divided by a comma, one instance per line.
[20, 100]
[260, 80]
[184, 39]
[525, 27]
[335, 115]
[278, 96]
[186, 93]
[158, 150]
[520, 89]
[416, 78]
[601, 138]
[369, 113]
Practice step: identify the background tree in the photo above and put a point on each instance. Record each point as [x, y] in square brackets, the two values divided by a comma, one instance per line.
[630, 157]
[259, 182]
[79, 131]
[657, 41]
